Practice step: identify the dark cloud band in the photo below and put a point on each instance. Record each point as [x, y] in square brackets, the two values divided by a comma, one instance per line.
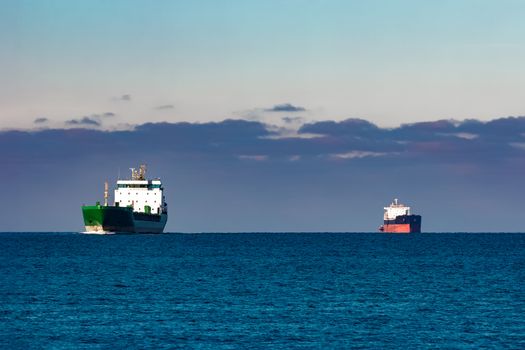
[444, 140]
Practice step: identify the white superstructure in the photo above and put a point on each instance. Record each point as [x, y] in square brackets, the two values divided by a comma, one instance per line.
[144, 196]
[396, 209]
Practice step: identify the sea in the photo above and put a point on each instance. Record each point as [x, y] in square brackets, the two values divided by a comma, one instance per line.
[262, 291]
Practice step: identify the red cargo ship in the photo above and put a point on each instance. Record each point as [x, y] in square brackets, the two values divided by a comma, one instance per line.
[397, 219]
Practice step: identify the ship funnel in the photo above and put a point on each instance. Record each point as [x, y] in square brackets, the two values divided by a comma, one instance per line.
[395, 201]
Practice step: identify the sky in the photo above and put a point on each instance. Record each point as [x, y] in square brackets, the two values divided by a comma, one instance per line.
[387, 61]
[288, 115]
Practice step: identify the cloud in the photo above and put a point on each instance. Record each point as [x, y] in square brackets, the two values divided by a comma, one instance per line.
[40, 120]
[346, 128]
[442, 141]
[164, 107]
[293, 120]
[357, 154]
[285, 107]
[90, 120]
[86, 121]
[520, 145]
[126, 97]
[256, 157]
[463, 135]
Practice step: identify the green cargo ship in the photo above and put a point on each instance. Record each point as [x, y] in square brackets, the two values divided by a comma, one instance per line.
[140, 207]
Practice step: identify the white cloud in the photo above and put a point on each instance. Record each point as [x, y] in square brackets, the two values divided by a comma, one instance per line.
[255, 157]
[519, 145]
[463, 135]
[357, 154]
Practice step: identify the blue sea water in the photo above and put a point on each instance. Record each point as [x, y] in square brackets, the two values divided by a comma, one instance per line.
[262, 290]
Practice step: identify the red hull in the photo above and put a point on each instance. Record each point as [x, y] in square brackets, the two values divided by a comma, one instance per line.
[396, 228]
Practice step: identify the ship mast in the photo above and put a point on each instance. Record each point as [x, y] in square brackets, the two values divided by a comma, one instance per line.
[106, 194]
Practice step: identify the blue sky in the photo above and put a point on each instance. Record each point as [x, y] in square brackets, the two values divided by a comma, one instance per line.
[266, 115]
[390, 62]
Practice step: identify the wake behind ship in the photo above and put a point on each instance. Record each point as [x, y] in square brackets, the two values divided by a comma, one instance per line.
[397, 219]
[140, 207]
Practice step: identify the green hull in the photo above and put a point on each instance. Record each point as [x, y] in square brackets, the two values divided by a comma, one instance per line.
[101, 219]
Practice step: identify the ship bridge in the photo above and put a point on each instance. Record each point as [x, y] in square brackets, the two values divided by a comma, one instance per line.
[144, 196]
[395, 209]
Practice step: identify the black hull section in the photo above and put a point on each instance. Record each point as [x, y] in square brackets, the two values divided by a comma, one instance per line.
[414, 221]
[99, 218]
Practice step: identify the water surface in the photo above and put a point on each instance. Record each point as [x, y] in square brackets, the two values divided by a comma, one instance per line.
[265, 290]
